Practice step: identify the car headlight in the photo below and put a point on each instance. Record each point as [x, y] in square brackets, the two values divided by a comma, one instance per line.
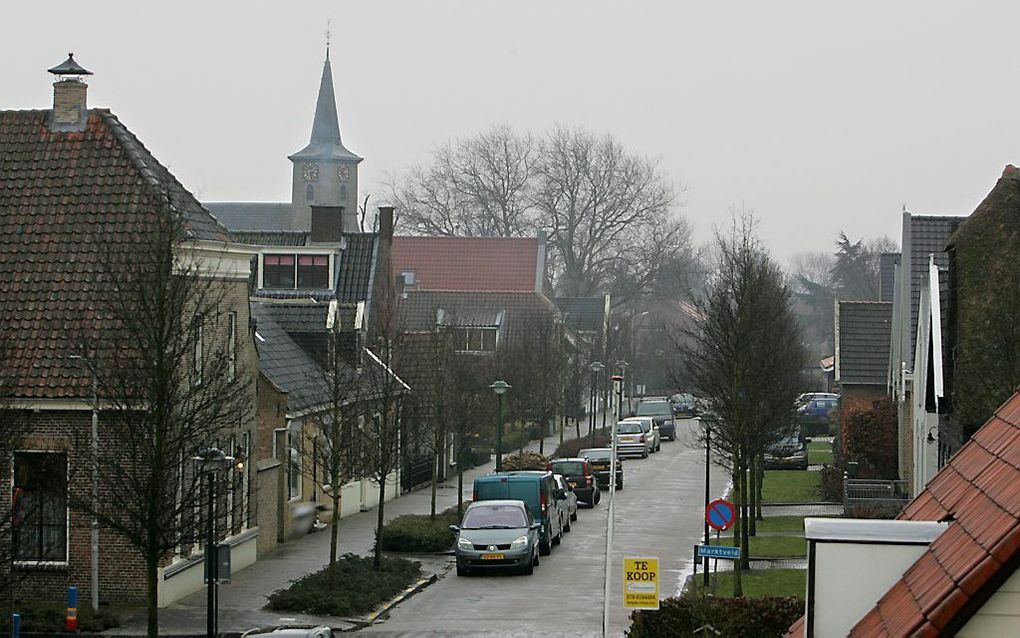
[519, 543]
[463, 543]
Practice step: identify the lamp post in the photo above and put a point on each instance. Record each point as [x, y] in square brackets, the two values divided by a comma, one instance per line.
[499, 387]
[708, 465]
[94, 532]
[208, 461]
[596, 367]
[622, 365]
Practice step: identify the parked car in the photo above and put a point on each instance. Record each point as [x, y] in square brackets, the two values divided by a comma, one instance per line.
[804, 398]
[538, 491]
[600, 462]
[497, 534]
[581, 477]
[789, 452]
[569, 500]
[652, 436]
[631, 440]
[817, 408]
[683, 405]
[662, 413]
[290, 631]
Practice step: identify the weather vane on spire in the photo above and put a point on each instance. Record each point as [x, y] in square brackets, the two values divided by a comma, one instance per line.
[329, 24]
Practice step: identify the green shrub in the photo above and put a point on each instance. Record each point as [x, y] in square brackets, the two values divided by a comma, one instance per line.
[348, 587]
[418, 533]
[515, 440]
[570, 448]
[42, 618]
[832, 484]
[526, 461]
[746, 617]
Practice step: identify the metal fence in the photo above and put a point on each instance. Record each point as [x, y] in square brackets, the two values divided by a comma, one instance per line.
[874, 498]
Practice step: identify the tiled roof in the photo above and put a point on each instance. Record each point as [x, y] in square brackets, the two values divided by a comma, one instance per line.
[487, 264]
[864, 331]
[270, 237]
[887, 275]
[419, 310]
[64, 197]
[583, 313]
[285, 364]
[357, 266]
[928, 235]
[979, 493]
[296, 317]
[254, 215]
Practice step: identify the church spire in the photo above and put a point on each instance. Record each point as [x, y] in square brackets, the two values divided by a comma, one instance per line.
[325, 143]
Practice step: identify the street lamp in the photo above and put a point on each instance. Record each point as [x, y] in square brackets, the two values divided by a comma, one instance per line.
[94, 588]
[622, 365]
[500, 388]
[209, 461]
[596, 367]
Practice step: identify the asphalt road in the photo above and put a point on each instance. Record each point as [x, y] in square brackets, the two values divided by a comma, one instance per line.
[658, 513]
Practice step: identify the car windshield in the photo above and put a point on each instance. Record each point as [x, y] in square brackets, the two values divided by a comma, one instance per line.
[568, 468]
[494, 517]
[653, 408]
[628, 428]
[596, 455]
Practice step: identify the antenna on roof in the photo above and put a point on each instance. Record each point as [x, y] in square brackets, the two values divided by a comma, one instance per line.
[329, 24]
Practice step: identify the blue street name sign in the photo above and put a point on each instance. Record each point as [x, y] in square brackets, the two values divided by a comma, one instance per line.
[718, 551]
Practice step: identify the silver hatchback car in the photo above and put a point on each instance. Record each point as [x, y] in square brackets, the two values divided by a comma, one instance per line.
[497, 535]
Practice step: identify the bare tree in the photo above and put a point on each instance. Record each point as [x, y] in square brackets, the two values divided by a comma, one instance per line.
[169, 383]
[478, 187]
[745, 355]
[534, 364]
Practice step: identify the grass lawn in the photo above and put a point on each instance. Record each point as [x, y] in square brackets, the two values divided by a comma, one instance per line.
[791, 486]
[819, 452]
[781, 524]
[772, 546]
[762, 582]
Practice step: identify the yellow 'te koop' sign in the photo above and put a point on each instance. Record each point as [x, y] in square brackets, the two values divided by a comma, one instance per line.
[641, 583]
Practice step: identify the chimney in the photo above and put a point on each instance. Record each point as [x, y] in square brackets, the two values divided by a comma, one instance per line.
[70, 110]
[327, 224]
[540, 263]
[386, 223]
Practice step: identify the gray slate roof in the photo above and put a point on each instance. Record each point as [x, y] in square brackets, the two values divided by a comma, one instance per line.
[253, 215]
[270, 237]
[357, 267]
[864, 338]
[583, 314]
[285, 364]
[296, 317]
[887, 276]
[928, 235]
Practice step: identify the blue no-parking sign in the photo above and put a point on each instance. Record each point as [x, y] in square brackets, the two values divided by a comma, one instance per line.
[720, 514]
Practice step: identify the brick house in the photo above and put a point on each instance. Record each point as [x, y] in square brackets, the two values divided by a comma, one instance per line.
[74, 182]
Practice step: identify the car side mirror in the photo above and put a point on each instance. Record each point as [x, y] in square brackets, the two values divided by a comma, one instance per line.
[536, 526]
[455, 529]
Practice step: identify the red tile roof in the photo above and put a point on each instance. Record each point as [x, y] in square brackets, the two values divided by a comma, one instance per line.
[67, 199]
[979, 493]
[482, 264]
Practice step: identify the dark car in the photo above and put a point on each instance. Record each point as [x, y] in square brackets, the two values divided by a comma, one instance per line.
[579, 473]
[661, 411]
[600, 458]
[817, 408]
[790, 452]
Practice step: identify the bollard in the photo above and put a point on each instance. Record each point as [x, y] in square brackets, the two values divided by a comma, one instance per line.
[15, 625]
[71, 622]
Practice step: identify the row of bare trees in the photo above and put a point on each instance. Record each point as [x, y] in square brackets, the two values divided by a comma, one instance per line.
[745, 355]
[609, 214]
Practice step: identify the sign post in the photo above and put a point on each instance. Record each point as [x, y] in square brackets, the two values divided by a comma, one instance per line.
[641, 583]
[720, 516]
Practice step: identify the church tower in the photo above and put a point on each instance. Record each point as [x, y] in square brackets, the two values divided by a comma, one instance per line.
[325, 172]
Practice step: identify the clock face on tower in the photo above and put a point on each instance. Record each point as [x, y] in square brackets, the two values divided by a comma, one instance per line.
[310, 172]
[344, 173]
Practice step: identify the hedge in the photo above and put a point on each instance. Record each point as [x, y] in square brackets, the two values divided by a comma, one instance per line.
[526, 461]
[571, 448]
[348, 587]
[419, 533]
[746, 617]
[49, 619]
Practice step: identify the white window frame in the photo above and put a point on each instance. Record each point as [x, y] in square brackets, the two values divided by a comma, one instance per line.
[199, 354]
[465, 348]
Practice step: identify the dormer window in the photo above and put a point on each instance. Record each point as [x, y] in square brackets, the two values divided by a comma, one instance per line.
[290, 271]
[476, 339]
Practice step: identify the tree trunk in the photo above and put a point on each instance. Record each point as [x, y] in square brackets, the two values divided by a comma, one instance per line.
[745, 556]
[577, 425]
[152, 596]
[436, 456]
[377, 558]
[541, 434]
[460, 475]
[752, 495]
[760, 471]
[334, 528]
[738, 587]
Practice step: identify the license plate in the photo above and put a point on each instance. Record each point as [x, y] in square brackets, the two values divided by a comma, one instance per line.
[493, 556]
[573, 483]
[627, 439]
[600, 466]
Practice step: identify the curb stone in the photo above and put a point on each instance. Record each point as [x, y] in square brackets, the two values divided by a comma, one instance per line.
[370, 619]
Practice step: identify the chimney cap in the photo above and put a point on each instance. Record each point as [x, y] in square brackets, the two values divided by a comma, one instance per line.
[69, 67]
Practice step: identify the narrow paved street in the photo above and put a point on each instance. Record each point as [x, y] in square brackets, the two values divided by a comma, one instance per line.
[658, 513]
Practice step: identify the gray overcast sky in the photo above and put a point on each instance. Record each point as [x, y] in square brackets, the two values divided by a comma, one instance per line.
[820, 118]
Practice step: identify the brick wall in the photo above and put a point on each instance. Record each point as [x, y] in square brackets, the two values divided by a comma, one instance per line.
[267, 502]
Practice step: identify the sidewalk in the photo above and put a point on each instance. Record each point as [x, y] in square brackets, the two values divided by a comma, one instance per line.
[241, 602]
